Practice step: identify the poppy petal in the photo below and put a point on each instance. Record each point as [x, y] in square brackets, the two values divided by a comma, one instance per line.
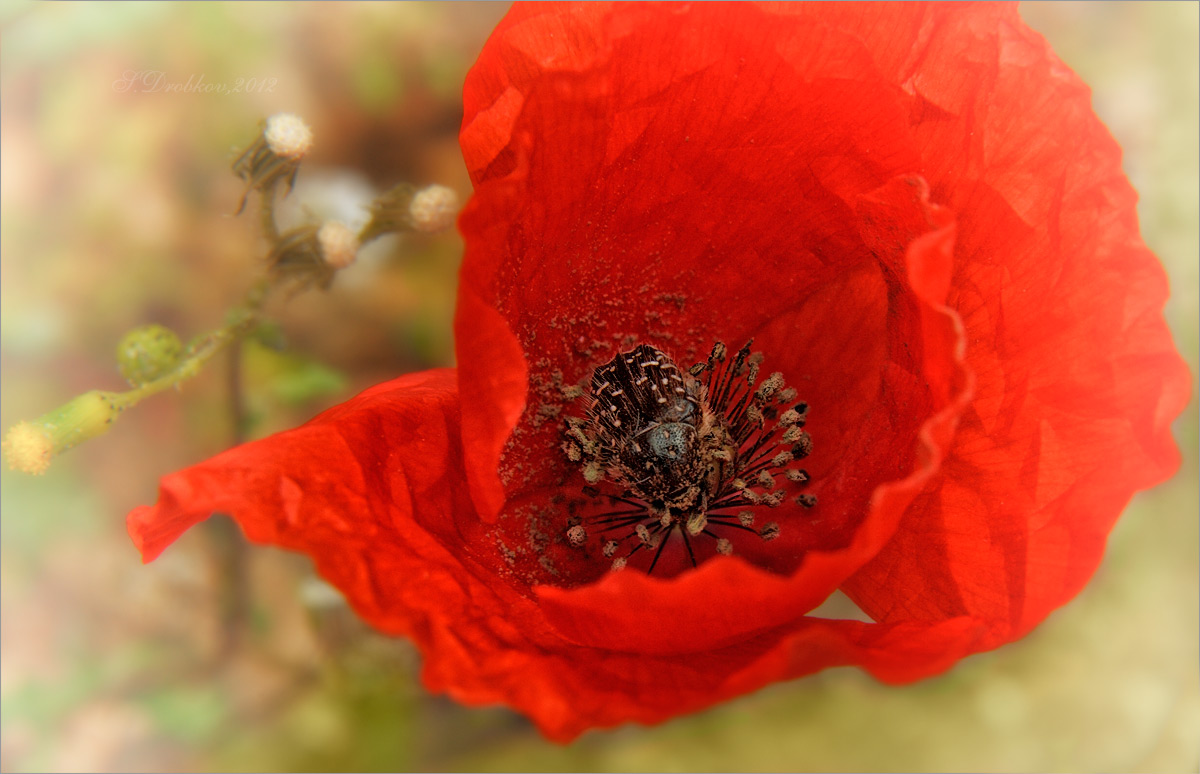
[1077, 376]
[349, 488]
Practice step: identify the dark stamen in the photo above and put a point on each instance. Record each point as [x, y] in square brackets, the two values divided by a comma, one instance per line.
[686, 447]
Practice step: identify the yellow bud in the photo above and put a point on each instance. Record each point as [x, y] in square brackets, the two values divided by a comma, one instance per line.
[29, 446]
[147, 353]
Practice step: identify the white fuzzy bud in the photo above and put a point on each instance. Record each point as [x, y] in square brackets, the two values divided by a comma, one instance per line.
[288, 136]
[433, 209]
[339, 245]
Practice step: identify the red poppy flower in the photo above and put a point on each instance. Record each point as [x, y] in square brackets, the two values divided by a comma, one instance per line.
[912, 211]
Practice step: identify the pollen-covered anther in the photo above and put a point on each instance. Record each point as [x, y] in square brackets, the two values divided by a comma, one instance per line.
[793, 434]
[803, 446]
[577, 535]
[769, 531]
[619, 564]
[593, 472]
[610, 548]
[807, 500]
[746, 518]
[789, 418]
[644, 535]
[786, 395]
[768, 388]
[724, 547]
[754, 414]
[697, 523]
[797, 475]
[576, 433]
[766, 480]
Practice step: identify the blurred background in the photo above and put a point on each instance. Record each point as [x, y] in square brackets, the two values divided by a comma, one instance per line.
[115, 210]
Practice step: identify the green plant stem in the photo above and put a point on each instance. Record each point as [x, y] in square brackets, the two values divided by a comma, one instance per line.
[267, 215]
[228, 546]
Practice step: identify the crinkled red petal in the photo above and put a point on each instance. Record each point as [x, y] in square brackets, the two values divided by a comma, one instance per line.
[1077, 376]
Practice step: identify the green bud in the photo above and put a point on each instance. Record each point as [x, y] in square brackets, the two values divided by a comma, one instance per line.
[148, 353]
[29, 446]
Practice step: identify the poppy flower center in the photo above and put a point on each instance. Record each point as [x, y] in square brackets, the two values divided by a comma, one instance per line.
[685, 455]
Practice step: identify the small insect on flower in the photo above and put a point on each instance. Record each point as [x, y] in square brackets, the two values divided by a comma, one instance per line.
[689, 450]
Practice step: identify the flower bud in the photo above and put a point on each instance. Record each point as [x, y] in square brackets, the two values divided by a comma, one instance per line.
[147, 353]
[29, 446]
[428, 210]
[288, 136]
[338, 244]
[312, 255]
[274, 156]
[433, 209]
